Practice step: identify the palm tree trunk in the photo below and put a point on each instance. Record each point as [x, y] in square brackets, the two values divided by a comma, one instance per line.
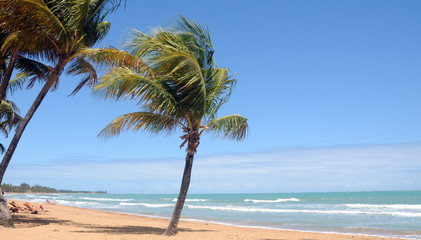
[5, 218]
[53, 77]
[185, 183]
[8, 75]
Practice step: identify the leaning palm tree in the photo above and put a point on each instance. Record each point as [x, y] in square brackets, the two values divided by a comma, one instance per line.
[9, 118]
[178, 87]
[63, 28]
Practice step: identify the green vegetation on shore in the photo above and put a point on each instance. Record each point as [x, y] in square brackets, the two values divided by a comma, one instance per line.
[25, 188]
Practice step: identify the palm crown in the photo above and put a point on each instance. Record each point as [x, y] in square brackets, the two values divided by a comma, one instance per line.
[177, 83]
[60, 28]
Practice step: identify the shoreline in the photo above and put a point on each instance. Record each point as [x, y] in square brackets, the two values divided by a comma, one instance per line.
[251, 226]
[66, 222]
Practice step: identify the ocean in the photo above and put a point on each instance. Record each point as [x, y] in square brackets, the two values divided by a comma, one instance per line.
[387, 214]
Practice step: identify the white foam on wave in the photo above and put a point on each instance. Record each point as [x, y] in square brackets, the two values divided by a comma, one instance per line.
[386, 206]
[30, 195]
[269, 210]
[78, 203]
[150, 205]
[272, 201]
[38, 200]
[106, 199]
[192, 200]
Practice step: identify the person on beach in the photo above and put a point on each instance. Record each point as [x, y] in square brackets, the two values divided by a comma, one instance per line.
[34, 210]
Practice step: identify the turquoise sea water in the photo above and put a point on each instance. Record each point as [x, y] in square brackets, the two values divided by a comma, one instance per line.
[393, 214]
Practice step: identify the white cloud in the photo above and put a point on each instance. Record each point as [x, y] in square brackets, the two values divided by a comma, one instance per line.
[337, 168]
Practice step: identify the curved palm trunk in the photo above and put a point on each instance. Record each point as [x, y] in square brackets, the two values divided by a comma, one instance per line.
[7, 75]
[53, 77]
[185, 183]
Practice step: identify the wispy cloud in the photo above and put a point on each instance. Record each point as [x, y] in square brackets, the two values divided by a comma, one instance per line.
[336, 168]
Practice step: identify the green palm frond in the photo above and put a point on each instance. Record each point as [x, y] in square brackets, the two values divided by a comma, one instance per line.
[6, 111]
[219, 86]
[7, 43]
[81, 12]
[146, 121]
[31, 70]
[89, 20]
[113, 57]
[17, 83]
[101, 6]
[9, 116]
[204, 49]
[13, 105]
[80, 66]
[170, 56]
[231, 127]
[16, 14]
[102, 30]
[123, 82]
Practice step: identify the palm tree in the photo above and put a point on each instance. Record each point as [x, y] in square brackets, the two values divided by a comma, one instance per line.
[9, 118]
[14, 44]
[63, 28]
[178, 87]
[10, 47]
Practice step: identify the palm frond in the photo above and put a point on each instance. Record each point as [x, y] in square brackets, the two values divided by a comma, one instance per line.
[231, 127]
[9, 116]
[6, 111]
[13, 105]
[107, 6]
[32, 15]
[89, 19]
[31, 70]
[17, 83]
[80, 66]
[170, 56]
[2, 148]
[219, 86]
[123, 82]
[8, 42]
[145, 121]
[204, 48]
[102, 30]
[112, 57]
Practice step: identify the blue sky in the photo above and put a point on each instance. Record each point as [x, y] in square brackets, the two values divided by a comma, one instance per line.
[331, 90]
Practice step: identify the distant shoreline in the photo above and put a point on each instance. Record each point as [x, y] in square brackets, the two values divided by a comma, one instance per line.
[54, 192]
[28, 189]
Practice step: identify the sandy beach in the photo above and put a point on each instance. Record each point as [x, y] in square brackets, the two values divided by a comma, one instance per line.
[63, 222]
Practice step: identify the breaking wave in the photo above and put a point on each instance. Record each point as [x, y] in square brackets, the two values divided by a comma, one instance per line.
[273, 201]
[270, 210]
[149, 205]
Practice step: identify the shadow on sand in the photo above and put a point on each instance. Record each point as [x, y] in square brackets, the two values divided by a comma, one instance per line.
[30, 221]
[133, 230]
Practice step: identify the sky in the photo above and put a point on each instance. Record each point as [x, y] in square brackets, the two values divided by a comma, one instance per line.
[331, 90]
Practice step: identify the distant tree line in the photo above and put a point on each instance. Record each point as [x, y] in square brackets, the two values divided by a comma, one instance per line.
[25, 188]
